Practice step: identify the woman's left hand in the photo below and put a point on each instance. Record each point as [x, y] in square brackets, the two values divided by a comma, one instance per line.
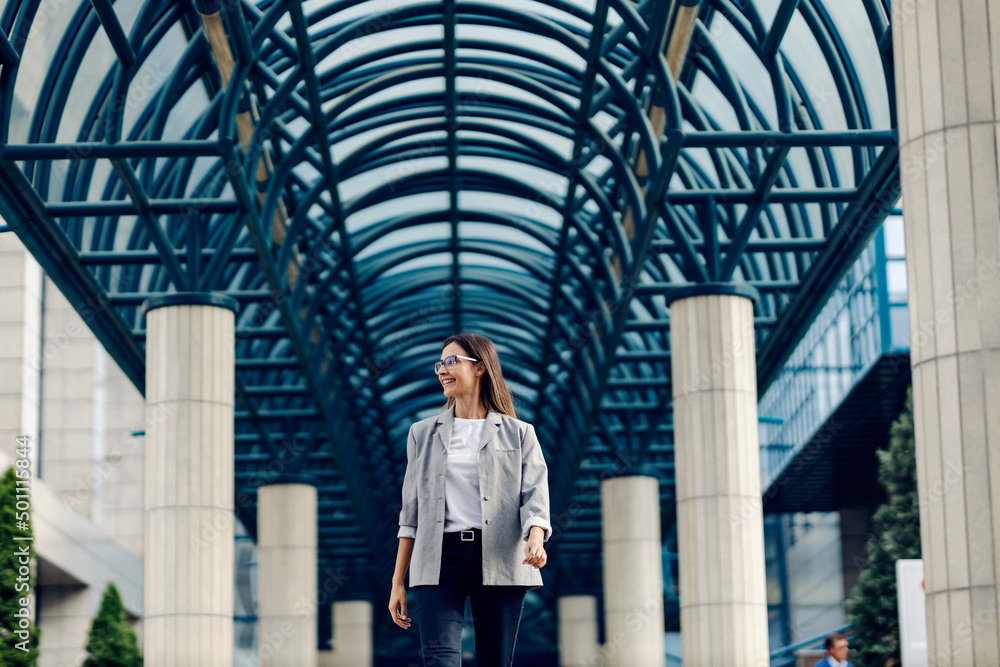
[534, 552]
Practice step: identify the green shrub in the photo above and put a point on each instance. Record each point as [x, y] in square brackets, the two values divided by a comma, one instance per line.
[895, 535]
[112, 640]
[18, 644]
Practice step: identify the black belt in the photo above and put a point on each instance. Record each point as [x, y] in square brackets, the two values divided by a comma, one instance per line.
[465, 535]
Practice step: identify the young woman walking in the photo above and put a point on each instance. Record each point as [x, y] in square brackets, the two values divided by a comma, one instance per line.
[475, 512]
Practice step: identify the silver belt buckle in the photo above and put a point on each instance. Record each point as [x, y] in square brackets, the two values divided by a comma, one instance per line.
[471, 536]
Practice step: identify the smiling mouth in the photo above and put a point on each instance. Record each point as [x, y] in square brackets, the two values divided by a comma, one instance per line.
[448, 382]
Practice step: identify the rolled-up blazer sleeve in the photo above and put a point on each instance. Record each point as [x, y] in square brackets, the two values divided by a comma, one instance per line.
[534, 485]
[408, 512]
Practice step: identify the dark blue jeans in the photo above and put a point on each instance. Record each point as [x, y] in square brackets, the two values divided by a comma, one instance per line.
[496, 610]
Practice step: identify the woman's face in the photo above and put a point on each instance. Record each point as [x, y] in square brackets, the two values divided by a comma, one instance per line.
[462, 379]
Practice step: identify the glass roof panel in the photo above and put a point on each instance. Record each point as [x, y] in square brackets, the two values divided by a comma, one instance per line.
[804, 57]
[745, 67]
[852, 26]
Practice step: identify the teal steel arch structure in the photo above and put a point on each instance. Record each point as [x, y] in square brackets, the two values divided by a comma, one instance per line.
[366, 178]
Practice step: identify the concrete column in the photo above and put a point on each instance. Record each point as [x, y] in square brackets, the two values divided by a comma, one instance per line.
[352, 634]
[633, 572]
[948, 97]
[286, 574]
[578, 645]
[720, 530]
[189, 481]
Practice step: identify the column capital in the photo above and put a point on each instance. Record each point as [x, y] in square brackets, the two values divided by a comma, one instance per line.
[355, 598]
[641, 470]
[575, 591]
[707, 289]
[290, 478]
[216, 299]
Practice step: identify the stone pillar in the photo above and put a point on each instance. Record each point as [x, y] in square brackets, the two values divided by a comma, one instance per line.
[352, 634]
[578, 645]
[633, 572]
[286, 573]
[947, 98]
[720, 530]
[189, 480]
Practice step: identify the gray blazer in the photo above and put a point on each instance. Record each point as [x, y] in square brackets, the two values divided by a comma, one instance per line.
[513, 485]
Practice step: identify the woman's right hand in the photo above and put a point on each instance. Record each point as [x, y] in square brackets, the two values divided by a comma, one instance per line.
[397, 606]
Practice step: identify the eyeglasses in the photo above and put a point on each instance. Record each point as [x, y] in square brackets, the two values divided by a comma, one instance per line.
[450, 361]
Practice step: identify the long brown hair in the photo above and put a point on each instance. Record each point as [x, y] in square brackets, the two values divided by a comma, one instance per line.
[493, 391]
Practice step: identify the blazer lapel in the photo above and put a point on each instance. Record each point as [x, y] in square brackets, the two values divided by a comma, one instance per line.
[490, 428]
[443, 432]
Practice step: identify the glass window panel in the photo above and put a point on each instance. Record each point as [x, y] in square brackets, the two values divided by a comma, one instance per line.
[899, 318]
[896, 279]
[895, 239]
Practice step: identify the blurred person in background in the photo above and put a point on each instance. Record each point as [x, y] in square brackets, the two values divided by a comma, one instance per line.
[836, 652]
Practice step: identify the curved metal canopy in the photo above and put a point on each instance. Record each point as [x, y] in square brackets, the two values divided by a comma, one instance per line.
[369, 177]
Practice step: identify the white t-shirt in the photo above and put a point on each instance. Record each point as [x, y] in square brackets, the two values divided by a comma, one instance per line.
[461, 495]
[462, 510]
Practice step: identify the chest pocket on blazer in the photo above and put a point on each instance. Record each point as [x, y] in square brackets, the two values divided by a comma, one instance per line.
[506, 464]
